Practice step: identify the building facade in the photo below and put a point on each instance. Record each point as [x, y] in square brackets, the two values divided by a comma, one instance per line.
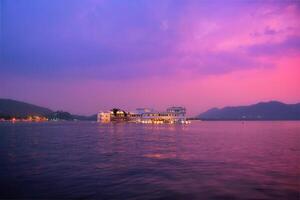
[172, 115]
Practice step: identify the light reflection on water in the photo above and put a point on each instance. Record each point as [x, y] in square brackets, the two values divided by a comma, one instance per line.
[203, 160]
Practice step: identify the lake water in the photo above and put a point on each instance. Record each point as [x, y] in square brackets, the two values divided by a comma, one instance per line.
[203, 160]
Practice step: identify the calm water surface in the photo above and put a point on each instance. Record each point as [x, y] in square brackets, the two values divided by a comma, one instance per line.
[203, 160]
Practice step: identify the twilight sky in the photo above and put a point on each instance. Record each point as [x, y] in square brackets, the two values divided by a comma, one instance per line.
[84, 56]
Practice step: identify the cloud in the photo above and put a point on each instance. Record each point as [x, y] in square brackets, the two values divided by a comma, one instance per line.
[136, 39]
[269, 31]
[289, 46]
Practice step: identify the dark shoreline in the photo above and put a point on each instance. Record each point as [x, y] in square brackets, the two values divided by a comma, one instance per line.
[193, 119]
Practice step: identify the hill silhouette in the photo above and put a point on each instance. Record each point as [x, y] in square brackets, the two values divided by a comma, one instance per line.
[20, 109]
[11, 108]
[272, 110]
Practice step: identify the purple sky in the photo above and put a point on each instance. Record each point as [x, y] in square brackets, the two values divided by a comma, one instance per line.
[91, 55]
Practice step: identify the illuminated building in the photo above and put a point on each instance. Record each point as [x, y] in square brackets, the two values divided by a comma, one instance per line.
[103, 117]
[145, 115]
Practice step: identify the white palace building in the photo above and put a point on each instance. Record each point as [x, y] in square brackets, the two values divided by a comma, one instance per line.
[145, 115]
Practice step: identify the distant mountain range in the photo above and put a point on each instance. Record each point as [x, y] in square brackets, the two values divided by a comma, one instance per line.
[272, 110]
[12, 108]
